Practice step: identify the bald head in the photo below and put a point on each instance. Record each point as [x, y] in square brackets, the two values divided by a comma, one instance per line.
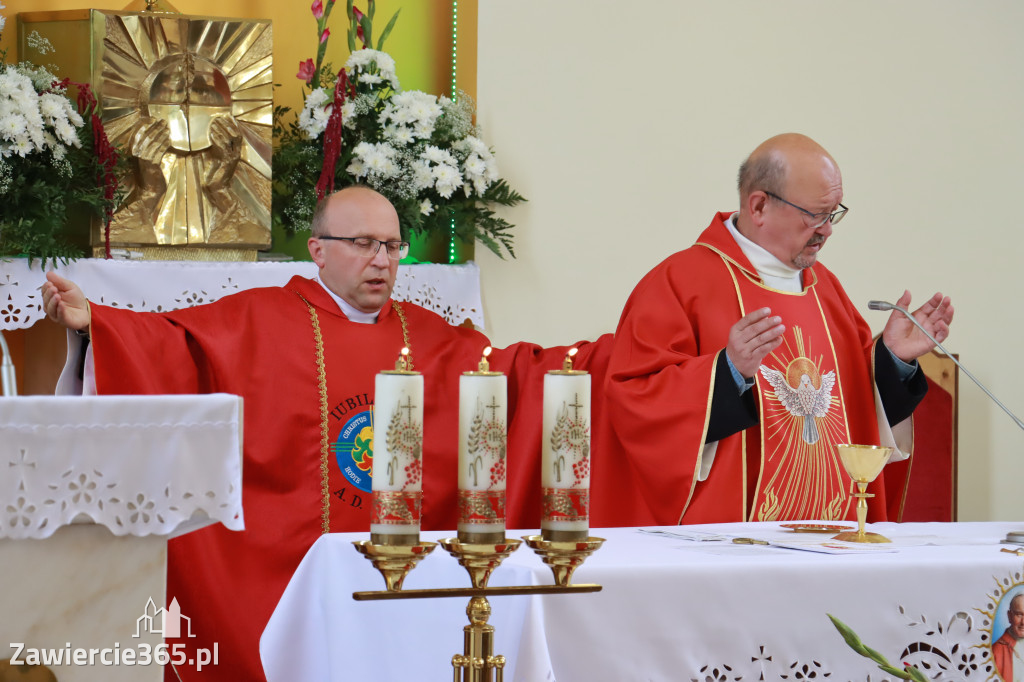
[781, 159]
[351, 206]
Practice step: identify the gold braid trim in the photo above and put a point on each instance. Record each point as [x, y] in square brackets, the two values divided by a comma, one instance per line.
[405, 329]
[321, 372]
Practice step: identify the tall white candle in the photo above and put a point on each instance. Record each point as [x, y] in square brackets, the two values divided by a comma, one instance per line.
[565, 454]
[483, 437]
[397, 456]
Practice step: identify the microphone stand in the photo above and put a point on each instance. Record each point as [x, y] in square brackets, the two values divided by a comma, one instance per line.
[1016, 537]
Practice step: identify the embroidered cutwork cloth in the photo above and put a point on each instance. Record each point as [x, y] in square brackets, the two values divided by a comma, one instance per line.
[139, 465]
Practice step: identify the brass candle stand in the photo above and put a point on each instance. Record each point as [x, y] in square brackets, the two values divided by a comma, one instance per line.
[477, 660]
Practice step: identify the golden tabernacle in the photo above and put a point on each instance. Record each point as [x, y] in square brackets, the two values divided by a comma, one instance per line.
[189, 101]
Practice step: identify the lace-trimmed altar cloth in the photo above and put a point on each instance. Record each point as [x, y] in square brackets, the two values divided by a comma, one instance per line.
[452, 291]
[139, 465]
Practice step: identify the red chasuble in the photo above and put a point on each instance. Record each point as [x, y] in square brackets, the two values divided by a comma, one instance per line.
[814, 391]
[262, 344]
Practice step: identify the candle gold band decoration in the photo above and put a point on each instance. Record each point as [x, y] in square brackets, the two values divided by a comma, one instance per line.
[481, 545]
[397, 474]
[565, 454]
[483, 447]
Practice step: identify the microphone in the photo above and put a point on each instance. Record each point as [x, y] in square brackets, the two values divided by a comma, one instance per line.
[10, 387]
[884, 305]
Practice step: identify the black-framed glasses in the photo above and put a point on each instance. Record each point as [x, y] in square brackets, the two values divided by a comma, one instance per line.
[368, 246]
[817, 219]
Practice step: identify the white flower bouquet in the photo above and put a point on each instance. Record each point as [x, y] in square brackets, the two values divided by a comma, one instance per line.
[51, 162]
[421, 151]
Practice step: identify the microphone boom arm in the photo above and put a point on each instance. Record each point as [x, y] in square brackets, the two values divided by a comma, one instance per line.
[883, 305]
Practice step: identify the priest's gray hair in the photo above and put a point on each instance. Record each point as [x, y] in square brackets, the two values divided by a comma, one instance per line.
[765, 172]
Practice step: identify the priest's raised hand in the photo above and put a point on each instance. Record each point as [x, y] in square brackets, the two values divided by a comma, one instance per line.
[902, 336]
[65, 303]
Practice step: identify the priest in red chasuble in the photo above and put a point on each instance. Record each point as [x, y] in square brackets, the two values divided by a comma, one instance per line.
[740, 362]
[304, 357]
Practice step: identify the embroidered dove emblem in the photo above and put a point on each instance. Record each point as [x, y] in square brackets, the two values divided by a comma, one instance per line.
[804, 401]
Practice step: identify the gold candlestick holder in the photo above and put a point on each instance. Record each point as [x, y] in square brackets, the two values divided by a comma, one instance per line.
[563, 557]
[394, 561]
[477, 662]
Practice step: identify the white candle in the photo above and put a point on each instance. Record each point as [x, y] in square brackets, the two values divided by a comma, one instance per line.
[397, 456]
[483, 437]
[565, 454]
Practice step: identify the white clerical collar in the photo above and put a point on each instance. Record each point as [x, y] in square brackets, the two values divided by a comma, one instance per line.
[351, 313]
[772, 271]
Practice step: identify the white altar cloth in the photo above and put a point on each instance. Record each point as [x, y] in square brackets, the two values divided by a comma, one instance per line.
[139, 465]
[451, 291]
[670, 609]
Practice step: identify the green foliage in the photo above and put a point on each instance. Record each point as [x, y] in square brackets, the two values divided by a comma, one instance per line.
[908, 672]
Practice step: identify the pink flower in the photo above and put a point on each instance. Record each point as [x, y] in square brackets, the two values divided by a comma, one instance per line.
[326, 34]
[357, 13]
[306, 70]
[318, 9]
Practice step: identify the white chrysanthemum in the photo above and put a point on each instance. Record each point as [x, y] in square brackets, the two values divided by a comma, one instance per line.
[13, 125]
[448, 179]
[348, 114]
[22, 146]
[370, 79]
[362, 62]
[316, 98]
[356, 168]
[426, 208]
[52, 106]
[438, 155]
[475, 168]
[66, 133]
[399, 135]
[422, 177]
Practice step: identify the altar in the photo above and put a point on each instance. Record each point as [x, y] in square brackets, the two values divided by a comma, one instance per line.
[678, 603]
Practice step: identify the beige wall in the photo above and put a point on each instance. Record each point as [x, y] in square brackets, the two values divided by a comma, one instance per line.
[624, 124]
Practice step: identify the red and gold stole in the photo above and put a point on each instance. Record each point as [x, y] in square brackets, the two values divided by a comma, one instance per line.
[803, 412]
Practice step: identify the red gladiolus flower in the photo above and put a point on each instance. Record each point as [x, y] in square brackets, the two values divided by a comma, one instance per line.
[326, 34]
[306, 71]
[357, 13]
[318, 9]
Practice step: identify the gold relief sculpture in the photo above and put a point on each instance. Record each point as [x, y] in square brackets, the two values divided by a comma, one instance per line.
[189, 99]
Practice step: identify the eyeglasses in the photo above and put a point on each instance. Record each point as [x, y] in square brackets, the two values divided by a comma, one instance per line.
[369, 247]
[817, 219]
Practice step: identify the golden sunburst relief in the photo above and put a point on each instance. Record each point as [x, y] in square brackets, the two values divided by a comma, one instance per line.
[191, 101]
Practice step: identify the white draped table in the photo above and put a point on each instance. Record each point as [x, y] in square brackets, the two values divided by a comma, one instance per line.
[670, 609]
[452, 291]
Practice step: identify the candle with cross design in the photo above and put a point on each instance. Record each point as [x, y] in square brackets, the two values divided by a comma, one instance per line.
[483, 436]
[565, 454]
[398, 455]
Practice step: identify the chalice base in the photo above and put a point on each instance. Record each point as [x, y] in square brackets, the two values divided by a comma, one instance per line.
[856, 536]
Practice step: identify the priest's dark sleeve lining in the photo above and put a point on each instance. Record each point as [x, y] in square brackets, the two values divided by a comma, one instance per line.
[899, 397]
[731, 412]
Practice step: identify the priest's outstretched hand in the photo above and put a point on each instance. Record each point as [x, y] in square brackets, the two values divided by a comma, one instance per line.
[905, 340]
[65, 303]
[756, 335]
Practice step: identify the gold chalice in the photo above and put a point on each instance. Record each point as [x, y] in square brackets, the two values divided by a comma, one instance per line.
[863, 463]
